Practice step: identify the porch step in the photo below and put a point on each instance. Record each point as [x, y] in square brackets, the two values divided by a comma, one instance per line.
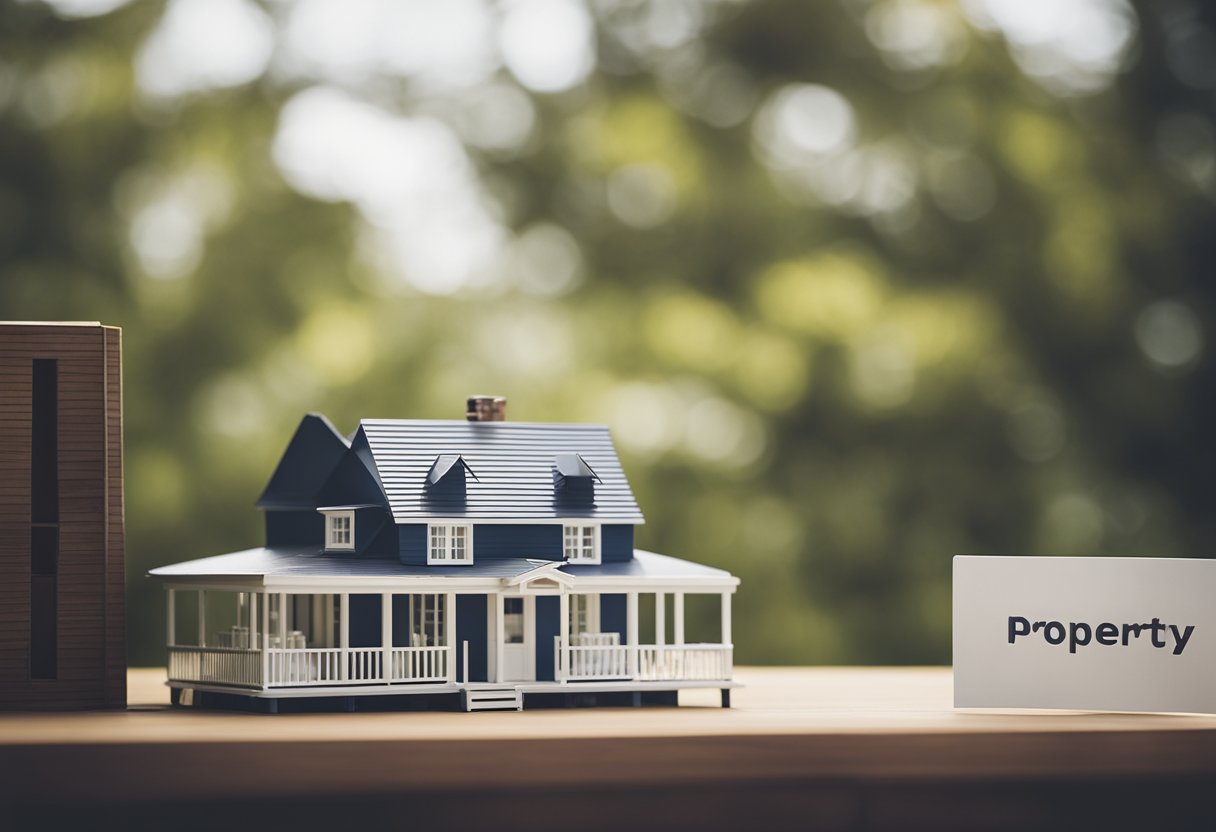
[493, 699]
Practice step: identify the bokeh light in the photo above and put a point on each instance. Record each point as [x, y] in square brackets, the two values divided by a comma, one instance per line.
[857, 284]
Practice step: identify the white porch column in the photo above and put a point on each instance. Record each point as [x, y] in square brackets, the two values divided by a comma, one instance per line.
[265, 626]
[499, 635]
[449, 633]
[660, 618]
[386, 636]
[282, 619]
[170, 619]
[561, 659]
[202, 618]
[253, 620]
[631, 632]
[678, 613]
[344, 634]
[726, 637]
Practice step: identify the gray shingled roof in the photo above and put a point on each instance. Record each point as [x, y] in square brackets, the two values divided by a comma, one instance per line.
[515, 470]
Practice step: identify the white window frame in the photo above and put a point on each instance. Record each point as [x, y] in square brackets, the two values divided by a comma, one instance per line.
[443, 553]
[580, 529]
[339, 539]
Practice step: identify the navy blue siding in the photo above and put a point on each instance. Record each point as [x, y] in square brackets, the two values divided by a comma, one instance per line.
[517, 541]
[401, 621]
[471, 626]
[616, 542]
[548, 627]
[294, 528]
[613, 614]
[365, 621]
[490, 541]
[411, 544]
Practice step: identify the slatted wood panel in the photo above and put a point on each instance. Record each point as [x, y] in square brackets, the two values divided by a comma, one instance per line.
[91, 654]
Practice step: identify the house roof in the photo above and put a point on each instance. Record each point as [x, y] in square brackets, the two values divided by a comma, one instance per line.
[314, 452]
[309, 562]
[515, 463]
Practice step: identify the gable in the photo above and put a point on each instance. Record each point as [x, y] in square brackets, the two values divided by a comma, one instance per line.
[311, 456]
[354, 480]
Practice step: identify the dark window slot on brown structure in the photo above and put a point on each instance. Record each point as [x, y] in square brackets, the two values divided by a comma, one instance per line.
[44, 514]
[44, 550]
[43, 616]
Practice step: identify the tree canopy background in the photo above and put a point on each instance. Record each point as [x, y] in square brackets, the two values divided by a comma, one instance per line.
[858, 285]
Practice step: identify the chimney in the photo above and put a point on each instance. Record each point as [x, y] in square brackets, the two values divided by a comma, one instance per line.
[487, 409]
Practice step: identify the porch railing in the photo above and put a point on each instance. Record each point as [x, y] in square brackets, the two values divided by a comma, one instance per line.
[419, 664]
[654, 663]
[596, 661]
[307, 667]
[222, 665]
[692, 662]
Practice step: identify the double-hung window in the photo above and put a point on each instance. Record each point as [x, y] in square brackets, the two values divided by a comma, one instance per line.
[450, 543]
[581, 544]
[340, 530]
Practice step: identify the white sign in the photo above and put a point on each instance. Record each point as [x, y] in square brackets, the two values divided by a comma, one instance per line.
[1097, 634]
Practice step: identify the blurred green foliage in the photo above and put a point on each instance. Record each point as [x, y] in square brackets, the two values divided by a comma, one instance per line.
[858, 285]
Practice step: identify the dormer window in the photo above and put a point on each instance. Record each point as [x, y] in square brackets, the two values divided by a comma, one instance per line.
[581, 543]
[340, 530]
[450, 544]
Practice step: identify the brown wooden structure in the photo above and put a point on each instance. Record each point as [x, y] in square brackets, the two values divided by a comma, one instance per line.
[62, 594]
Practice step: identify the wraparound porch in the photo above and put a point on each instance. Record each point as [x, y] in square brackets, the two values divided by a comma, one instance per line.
[315, 644]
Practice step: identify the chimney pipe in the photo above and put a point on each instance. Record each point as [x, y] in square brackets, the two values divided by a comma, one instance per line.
[486, 409]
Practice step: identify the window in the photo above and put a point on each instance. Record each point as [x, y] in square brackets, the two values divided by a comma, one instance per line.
[582, 544]
[340, 530]
[584, 614]
[450, 544]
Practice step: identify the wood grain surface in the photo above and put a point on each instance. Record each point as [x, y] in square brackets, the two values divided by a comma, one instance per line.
[823, 748]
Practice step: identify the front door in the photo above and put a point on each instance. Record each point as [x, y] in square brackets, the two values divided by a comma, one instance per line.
[518, 652]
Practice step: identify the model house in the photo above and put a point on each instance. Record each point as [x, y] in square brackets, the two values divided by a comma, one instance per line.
[478, 564]
[62, 593]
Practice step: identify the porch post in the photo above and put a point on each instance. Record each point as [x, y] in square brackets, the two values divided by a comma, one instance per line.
[499, 636]
[449, 633]
[660, 620]
[253, 620]
[678, 613]
[266, 641]
[386, 635]
[631, 632]
[726, 618]
[343, 633]
[282, 619]
[561, 661]
[202, 618]
[170, 619]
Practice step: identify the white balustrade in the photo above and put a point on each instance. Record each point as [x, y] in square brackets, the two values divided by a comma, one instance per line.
[220, 665]
[688, 662]
[419, 664]
[657, 663]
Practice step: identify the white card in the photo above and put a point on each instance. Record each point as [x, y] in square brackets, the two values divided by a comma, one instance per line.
[1097, 634]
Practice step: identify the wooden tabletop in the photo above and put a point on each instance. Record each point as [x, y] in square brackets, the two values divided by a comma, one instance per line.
[838, 748]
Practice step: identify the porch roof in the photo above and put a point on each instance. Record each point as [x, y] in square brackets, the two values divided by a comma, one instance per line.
[288, 563]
